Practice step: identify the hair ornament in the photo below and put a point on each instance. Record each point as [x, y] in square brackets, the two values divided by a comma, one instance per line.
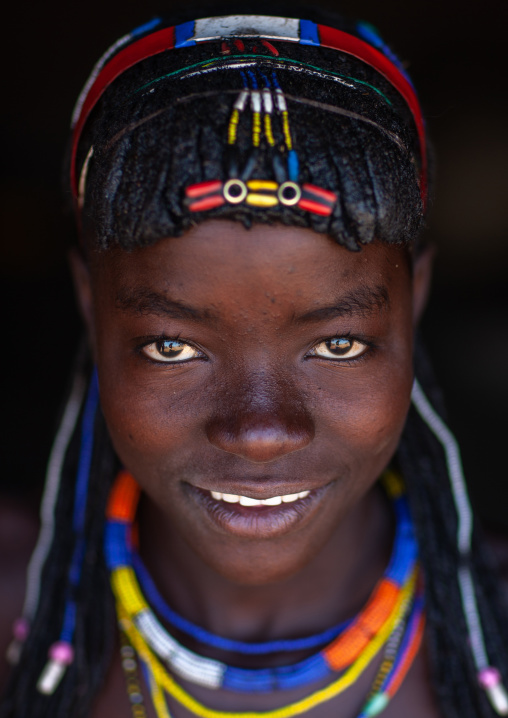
[61, 653]
[488, 676]
[21, 627]
[260, 193]
[148, 41]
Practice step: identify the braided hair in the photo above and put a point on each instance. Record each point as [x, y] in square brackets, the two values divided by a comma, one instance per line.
[155, 131]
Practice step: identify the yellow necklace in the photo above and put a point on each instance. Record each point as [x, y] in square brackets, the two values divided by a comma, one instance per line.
[161, 682]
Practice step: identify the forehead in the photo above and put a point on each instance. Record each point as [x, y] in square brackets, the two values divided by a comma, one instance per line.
[223, 263]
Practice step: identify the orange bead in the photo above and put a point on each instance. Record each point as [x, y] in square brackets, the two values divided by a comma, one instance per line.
[123, 499]
[346, 649]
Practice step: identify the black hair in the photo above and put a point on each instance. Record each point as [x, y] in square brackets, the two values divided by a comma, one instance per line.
[135, 196]
[352, 131]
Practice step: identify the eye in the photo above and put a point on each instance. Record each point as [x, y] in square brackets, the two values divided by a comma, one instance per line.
[170, 351]
[339, 348]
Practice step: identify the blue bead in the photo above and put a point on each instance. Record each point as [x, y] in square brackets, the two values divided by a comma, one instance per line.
[309, 33]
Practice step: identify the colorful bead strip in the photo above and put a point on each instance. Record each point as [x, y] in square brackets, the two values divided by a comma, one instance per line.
[208, 195]
[130, 669]
[226, 644]
[61, 653]
[342, 652]
[200, 634]
[401, 649]
[488, 676]
[114, 63]
[47, 515]
[173, 689]
[398, 659]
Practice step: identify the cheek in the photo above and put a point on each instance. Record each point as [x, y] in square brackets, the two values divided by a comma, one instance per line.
[364, 411]
[148, 421]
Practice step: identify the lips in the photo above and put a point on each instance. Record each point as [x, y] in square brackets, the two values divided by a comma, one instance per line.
[248, 516]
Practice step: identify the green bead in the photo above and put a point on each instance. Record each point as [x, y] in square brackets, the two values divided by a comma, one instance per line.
[377, 704]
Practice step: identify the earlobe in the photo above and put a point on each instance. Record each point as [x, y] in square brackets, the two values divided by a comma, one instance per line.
[422, 277]
[83, 288]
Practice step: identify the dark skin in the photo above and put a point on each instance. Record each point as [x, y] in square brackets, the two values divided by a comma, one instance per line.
[259, 408]
[257, 404]
[220, 370]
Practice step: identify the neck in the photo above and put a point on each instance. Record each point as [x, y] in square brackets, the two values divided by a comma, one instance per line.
[331, 587]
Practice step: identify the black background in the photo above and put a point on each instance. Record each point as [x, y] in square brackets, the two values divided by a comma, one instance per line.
[459, 62]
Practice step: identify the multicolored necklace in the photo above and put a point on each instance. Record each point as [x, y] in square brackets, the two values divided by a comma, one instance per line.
[338, 655]
[396, 663]
[393, 616]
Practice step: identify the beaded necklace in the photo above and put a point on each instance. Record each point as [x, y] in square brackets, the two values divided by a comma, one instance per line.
[225, 644]
[161, 683]
[401, 648]
[393, 616]
[338, 655]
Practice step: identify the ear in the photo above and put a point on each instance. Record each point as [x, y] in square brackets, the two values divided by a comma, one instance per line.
[83, 287]
[422, 276]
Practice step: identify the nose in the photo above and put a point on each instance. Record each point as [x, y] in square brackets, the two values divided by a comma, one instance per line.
[260, 422]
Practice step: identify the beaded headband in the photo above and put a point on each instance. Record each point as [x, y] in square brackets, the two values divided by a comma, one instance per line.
[147, 41]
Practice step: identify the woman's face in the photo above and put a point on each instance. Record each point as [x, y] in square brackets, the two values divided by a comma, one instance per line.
[252, 364]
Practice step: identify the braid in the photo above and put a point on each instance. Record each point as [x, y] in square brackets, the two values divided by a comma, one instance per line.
[95, 619]
[454, 674]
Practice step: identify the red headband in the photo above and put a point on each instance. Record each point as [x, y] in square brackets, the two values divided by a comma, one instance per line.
[187, 34]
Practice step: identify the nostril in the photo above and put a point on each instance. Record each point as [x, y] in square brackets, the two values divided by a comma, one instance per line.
[262, 442]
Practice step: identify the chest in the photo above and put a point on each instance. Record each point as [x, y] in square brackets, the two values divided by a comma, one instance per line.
[414, 697]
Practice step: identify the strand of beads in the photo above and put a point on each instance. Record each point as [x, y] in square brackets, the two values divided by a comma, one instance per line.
[130, 669]
[488, 676]
[166, 682]
[400, 651]
[61, 653]
[341, 653]
[225, 644]
[21, 627]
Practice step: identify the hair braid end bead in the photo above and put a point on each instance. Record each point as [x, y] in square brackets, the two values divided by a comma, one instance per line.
[490, 680]
[61, 655]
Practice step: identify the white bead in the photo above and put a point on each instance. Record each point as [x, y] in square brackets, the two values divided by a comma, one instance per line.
[267, 101]
[241, 100]
[14, 652]
[50, 677]
[498, 698]
[255, 101]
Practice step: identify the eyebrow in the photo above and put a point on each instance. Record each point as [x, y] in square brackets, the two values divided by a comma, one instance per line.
[362, 302]
[145, 301]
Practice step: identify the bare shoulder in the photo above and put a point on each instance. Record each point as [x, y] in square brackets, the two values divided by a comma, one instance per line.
[18, 534]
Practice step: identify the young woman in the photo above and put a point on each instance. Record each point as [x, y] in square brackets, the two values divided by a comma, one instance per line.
[252, 506]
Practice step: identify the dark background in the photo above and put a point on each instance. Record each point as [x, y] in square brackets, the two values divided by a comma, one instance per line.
[457, 55]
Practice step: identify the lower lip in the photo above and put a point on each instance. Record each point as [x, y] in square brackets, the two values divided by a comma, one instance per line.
[259, 522]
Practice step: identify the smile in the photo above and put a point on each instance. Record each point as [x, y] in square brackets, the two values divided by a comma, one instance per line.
[249, 501]
[258, 518]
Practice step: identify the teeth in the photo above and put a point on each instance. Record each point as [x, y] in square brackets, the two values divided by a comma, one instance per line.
[275, 501]
[248, 501]
[230, 498]
[290, 497]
